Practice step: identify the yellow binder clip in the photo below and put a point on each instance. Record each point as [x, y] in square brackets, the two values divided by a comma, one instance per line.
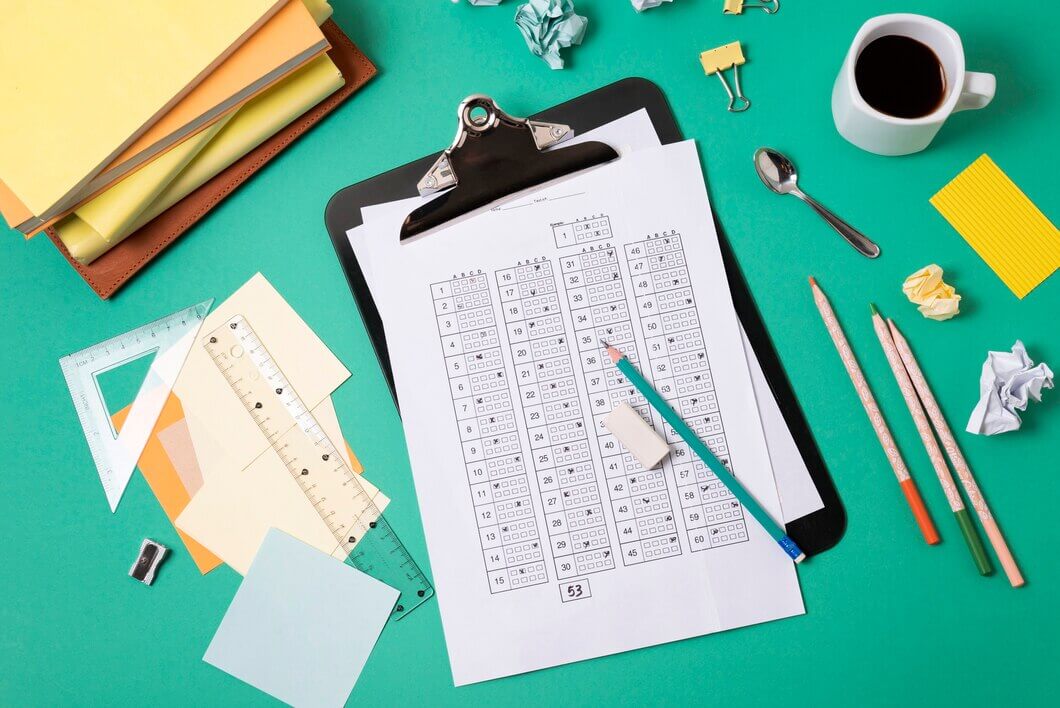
[736, 7]
[728, 56]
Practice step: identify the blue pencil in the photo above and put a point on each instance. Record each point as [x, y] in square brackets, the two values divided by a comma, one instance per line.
[703, 452]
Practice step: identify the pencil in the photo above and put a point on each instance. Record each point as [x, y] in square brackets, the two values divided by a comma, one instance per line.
[872, 410]
[703, 452]
[949, 487]
[964, 472]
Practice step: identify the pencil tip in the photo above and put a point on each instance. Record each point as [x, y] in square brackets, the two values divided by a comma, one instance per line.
[873, 308]
[812, 281]
[612, 352]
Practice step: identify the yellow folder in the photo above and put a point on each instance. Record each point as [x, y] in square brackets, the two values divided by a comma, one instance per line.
[111, 69]
[103, 222]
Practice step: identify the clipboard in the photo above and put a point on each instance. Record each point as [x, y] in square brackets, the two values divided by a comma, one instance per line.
[815, 532]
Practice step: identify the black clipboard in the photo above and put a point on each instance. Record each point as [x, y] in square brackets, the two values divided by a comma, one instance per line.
[816, 532]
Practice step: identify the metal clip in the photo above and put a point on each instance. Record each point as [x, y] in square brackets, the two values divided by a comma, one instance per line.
[717, 60]
[477, 116]
[736, 7]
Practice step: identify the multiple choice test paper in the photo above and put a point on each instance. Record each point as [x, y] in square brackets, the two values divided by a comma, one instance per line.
[798, 493]
[549, 543]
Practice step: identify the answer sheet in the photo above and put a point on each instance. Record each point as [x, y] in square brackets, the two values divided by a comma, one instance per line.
[548, 543]
[797, 490]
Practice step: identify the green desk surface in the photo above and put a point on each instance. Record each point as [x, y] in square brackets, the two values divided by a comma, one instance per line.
[889, 620]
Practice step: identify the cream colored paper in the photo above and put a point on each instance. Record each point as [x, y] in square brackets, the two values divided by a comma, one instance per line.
[225, 437]
[232, 512]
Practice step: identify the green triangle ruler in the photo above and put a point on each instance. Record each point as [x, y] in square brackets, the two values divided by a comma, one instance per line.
[169, 339]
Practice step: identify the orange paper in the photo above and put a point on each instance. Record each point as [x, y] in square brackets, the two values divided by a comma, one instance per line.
[164, 481]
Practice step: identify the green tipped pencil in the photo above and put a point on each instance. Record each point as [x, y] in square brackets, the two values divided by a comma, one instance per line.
[703, 452]
[916, 409]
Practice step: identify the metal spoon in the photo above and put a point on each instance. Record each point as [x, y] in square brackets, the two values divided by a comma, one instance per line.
[778, 173]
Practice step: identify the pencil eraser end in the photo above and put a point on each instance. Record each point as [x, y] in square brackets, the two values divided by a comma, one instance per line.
[801, 558]
[639, 438]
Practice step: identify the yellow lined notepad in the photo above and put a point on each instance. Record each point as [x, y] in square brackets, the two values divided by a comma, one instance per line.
[1004, 227]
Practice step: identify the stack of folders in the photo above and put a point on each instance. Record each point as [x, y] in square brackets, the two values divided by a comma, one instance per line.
[142, 117]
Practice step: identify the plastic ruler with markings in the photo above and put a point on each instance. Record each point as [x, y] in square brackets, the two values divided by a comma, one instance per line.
[169, 339]
[315, 464]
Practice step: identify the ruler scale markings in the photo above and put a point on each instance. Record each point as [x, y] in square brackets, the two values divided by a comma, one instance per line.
[329, 485]
[115, 454]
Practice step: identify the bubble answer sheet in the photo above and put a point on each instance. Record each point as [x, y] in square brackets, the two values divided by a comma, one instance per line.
[797, 491]
[548, 543]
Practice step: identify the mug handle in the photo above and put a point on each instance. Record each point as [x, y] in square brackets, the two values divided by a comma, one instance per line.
[977, 92]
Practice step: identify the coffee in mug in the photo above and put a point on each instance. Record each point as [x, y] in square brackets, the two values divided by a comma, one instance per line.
[900, 76]
[903, 77]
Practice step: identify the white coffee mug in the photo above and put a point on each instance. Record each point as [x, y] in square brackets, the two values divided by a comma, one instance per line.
[884, 134]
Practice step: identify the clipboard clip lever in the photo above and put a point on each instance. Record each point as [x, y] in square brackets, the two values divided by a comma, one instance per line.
[494, 155]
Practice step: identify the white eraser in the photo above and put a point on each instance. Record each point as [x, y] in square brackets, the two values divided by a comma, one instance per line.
[636, 435]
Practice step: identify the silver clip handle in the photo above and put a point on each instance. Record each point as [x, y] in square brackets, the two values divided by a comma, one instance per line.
[738, 103]
[479, 114]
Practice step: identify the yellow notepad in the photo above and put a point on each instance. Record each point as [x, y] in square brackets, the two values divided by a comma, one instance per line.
[1004, 227]
[111, 68]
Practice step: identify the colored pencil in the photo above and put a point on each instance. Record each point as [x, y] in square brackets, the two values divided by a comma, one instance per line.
[964, 472]
[872, 410]
[916, 410]
[703, 452]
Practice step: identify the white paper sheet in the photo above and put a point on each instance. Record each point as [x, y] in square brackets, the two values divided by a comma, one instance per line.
[1008, 382]
[547, 542]
[798, 493]
[626, 134]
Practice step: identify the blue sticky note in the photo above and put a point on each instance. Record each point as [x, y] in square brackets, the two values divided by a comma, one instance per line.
[301, 625]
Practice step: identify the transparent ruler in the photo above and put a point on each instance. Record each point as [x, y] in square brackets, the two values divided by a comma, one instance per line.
[169, 339]
[315, 464]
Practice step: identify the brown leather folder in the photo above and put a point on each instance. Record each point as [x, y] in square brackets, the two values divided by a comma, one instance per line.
[114, 268]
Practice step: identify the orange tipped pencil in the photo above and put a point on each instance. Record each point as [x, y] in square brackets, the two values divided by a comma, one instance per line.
[872, 410]
[931, 446]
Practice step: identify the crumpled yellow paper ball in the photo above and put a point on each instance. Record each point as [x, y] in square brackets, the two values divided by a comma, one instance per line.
[937, 300]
